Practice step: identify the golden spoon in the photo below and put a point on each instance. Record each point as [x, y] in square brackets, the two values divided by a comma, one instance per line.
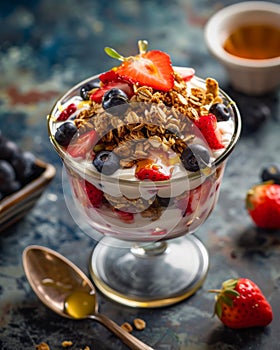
[66, 290]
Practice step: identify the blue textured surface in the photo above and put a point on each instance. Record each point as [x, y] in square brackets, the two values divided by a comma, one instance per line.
[45, 47]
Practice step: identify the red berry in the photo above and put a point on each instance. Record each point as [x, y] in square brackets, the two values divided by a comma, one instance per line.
[71, 109]
[207, 124]
[122, 85]
[194, 198]
[109, 76]
[152, 68]
[65, 114]
[83, 144]
[186, 73]
[147, 170]
[95, 195]
[263, 205]
[125, 216]
[241, 304]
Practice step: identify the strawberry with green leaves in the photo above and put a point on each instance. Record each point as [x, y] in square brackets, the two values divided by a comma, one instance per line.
[241, 304]
[263, 205]
[148, 68]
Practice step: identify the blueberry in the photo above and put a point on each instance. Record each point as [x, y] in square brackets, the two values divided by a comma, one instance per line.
[8, 150]
[220, 111]
[26, 168]
[195, 157]
[106, 162]
[86, 88]
[65, 133]
[115, 97]
[18, 163]
[1, 137]
[10, 187]
[271, 172]
[7, 172]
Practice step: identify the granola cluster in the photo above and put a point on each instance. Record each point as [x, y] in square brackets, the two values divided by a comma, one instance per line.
[154, 120]
[64, 344]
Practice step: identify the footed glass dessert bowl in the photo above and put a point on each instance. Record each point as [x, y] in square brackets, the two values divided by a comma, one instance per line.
[145, 173]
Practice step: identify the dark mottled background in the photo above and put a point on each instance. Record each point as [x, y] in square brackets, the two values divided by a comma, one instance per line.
[45, 47]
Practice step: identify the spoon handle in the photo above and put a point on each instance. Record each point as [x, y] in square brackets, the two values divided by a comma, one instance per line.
[127, 338]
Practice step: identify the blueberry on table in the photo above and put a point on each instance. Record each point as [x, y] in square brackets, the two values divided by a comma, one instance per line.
[195, 157]
[106, 162]
[8, 149]
[8, 181]
[26, 168]
[1, 137]
[64, 133]
[271, 172]
[7, 172]
[18, 164]
[220, 111]
[10, 187]
[114, 97]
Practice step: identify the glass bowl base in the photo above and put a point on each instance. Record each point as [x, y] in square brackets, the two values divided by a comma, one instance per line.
[149, 275]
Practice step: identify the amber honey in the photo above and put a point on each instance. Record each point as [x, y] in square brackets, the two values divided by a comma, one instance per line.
[254, 41]
[80, 304]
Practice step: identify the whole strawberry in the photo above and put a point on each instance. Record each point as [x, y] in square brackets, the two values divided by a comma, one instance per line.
[263, 205]
[241, 304]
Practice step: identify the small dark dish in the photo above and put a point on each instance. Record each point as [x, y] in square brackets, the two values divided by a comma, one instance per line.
[14, 206]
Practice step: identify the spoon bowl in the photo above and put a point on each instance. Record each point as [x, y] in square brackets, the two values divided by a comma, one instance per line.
[66, 290]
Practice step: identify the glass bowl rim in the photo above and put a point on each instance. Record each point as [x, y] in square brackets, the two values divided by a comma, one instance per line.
[91, 173]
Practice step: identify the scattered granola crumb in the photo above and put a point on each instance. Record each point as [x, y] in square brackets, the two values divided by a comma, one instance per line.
[127, 327]
[139, 324]
[42, 346]
[67, 343]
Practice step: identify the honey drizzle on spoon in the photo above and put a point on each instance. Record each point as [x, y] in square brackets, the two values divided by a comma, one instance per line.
[80, 304]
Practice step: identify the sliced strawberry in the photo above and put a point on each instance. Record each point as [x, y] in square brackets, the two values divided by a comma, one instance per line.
[83, 144]
[194, 198]
[186, 73]
[95, 195]
[125, 216]
[151, 174]
[109, 76]
[207, 124]
[122, 85]
[188, 204]
[147, 170]
[152, 68]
